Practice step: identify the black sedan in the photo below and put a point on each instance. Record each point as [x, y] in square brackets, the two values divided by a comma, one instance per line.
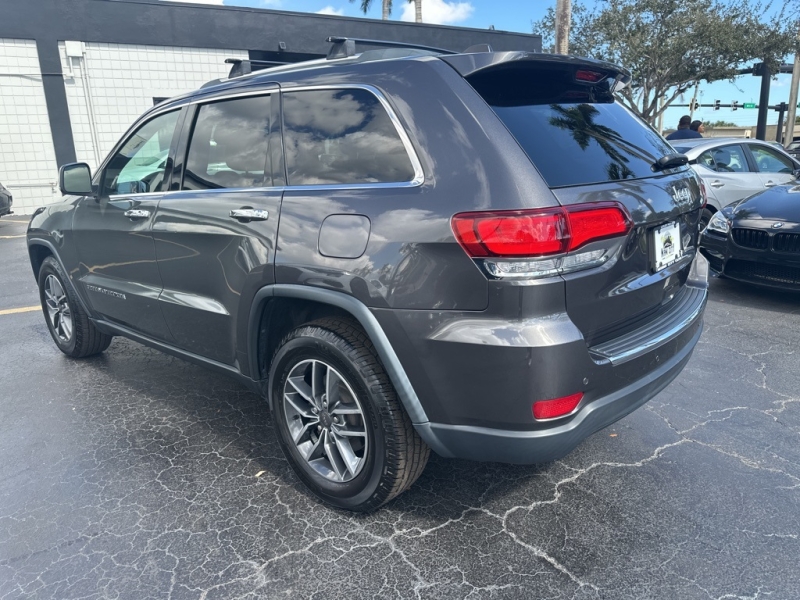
[5, 201]
[757, 240]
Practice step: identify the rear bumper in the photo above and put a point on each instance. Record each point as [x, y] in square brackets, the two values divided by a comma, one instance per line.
[477, 376]
[529, 447]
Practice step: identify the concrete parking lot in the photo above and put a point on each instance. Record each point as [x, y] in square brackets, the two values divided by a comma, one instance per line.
[135, 475]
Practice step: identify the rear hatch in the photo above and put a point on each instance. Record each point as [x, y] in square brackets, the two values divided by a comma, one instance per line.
[590, 149]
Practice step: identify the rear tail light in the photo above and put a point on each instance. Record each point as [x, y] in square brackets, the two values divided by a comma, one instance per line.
[703, 193]
[550, 236]
[557, 407]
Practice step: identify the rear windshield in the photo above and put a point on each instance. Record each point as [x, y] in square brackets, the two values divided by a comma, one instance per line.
[573, 133]
[575, 144]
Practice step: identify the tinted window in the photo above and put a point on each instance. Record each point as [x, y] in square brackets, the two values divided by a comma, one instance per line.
[730, 159]
[341, 136]
[228, 148]
[574, 144]
[140, 165]
[770, 161]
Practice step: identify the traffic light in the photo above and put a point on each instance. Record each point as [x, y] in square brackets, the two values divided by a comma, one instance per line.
[735, 105]
[696, 105]
[716, 104]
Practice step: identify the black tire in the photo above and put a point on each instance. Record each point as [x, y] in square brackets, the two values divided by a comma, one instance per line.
[395, 455]
[705, 217]
[84, 339]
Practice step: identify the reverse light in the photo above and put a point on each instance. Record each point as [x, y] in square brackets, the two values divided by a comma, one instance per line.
[557, 407]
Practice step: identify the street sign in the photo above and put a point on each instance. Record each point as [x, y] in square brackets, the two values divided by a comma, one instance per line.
[749, 105]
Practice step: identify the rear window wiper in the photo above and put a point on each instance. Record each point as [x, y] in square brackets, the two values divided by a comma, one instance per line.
[670, 161]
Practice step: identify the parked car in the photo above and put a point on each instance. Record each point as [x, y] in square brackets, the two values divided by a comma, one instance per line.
[793, 149]
[6, 201]
[757, 240]
[494, 276]
[733, 168]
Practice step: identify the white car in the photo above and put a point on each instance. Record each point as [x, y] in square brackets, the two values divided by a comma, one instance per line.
[736, 168]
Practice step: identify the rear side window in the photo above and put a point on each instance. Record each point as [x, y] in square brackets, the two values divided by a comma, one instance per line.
[229, 144]
[573, 133]
[341, 137]
[770, 161]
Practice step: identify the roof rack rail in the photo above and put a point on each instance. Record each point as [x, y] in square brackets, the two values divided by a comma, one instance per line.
[244, 66]
[344, 47]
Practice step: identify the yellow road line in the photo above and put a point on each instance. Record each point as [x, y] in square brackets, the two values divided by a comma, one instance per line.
[9, 237]
[13, 311]
[13, 221]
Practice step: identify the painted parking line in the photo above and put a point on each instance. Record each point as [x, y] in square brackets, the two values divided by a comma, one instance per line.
[24, 309]
[13, 221]
[11, 237]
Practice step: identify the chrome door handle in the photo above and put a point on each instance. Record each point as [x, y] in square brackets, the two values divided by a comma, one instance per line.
[717, 183]
[250, 214]
[137, 214]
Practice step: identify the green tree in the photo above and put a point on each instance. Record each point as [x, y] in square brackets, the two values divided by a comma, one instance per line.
[719, 124]
[670, 45]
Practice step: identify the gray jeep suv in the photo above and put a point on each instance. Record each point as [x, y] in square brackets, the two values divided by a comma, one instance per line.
[480, 254]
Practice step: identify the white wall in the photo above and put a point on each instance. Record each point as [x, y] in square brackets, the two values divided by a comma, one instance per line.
[27, 158]
[110, 85]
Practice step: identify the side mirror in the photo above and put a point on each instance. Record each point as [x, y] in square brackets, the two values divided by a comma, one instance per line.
[796, 173]
[75, 179]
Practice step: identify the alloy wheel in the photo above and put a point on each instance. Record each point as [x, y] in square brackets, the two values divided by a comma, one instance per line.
[325, 420]
[58, 309]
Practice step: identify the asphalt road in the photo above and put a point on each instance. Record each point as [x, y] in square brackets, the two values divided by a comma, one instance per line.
[135, 475]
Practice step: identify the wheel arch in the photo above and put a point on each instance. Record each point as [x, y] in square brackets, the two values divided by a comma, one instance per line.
[37, 252]
[277, 301]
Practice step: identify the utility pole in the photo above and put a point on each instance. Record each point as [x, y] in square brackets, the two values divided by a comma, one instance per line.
[764, 71]
[694, 100]
[793, 99]
[563, 20]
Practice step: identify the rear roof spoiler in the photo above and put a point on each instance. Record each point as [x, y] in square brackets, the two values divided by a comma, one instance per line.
[470, 64]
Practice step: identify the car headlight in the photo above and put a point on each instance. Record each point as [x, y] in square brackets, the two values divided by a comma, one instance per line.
[719, 224]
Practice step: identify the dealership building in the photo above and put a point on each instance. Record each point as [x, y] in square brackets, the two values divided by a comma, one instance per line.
[74, 75]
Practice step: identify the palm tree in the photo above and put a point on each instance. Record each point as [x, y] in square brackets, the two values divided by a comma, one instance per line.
[417, 10]
[386, 5]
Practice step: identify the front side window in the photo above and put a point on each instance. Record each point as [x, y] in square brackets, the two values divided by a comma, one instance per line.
[730, 159]
[770, 161]
[229, 145]
[341, 137]
[707, 160]
[139, 167]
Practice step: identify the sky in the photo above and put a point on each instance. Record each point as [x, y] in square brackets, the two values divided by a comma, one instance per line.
[517, 15]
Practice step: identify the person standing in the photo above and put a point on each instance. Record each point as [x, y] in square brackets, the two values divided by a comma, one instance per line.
[684, 132]
[698, 127]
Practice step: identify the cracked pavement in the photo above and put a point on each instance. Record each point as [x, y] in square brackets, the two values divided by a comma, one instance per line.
[136, 475]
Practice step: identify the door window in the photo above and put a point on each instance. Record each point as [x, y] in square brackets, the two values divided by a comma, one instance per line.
[707, 160]
[140, 165]
[770, 161]
[229, 145]
[341, 137]
[729, 159]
